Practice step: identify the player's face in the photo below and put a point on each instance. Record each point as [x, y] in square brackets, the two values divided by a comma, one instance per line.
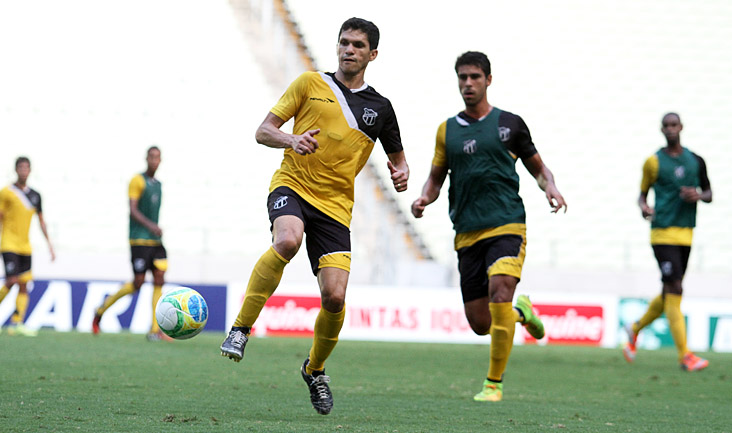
[354, 52]
[153, 160]
[473, 84]
[23, 170]
[671, 127]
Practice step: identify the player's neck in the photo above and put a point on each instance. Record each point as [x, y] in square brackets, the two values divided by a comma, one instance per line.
[674, 148]
[20, 184]
[479, 111]
[355, 81]
[150, 174]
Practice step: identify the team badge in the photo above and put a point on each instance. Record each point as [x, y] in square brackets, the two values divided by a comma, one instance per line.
[667, 268]
[369, 116]
[280, 202]
[139, 265]
[679, 172]
[504, 133]
[470, 146]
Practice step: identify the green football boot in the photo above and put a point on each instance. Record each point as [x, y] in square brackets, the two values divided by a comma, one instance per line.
[532, 322]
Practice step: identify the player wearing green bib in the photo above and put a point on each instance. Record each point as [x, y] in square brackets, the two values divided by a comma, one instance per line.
[478, 148]
[679, 181]
[147, 250]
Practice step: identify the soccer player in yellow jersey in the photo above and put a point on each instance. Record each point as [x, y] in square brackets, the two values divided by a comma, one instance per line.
[679, 180]
[146, 245]
[338, 118]
[479, 148]
[18, 203]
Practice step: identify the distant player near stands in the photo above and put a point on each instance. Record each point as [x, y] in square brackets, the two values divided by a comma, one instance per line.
[146, 245]
[18, 203]
[338, 118]
[679, 181]
[478, 148]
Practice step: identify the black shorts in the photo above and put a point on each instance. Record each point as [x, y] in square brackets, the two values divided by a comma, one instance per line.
[498, 255]
[328, 242]
[147, 258]
[672, 259]
[16, 264]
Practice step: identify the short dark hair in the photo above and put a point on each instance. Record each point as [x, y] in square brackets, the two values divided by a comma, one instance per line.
[474, 58]
[671, 113]
[372, 32]
[151, 148]
[20, 160]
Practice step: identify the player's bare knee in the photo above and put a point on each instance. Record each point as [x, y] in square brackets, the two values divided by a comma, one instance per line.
[287, 246]
[333, 302]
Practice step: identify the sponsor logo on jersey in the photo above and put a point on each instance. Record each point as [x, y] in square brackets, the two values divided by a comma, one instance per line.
[326, 100]
[369, 116]
[470, 146]
[280, 202]
[504, 133]
[679, 172]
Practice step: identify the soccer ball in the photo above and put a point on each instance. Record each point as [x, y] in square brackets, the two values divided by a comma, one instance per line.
[181, 313]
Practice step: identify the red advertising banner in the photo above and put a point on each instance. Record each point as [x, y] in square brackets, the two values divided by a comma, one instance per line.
[570, 324]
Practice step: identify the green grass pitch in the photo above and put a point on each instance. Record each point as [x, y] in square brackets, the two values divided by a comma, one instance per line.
[74, 382]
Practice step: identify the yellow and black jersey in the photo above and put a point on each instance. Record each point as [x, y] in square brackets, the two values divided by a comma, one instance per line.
[17, 207]
[350, 122]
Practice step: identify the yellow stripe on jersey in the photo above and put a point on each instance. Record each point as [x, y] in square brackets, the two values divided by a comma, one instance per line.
[467, 239]
[17, 213]
[672, 236]
[145, 242]
[137, 187]
[650, 173]
[325, 179]
[440, 158]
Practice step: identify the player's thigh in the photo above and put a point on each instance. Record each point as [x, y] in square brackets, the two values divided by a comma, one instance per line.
[328, 242]
[285, 211]
[12, 268]
[672, 261]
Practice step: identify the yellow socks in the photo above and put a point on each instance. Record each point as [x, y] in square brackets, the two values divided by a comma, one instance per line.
[503, 326]
[3, 291]
[265, 278]
[327, 327]
[672, 308]
[21, 306]
[157, 293]
[126, 289]
[655, 309]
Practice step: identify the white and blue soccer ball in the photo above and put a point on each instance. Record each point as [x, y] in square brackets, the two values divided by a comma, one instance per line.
[181, 313]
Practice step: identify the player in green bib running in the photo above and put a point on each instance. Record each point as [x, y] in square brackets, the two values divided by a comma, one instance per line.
[147, 250]
[478, 148]
[679, 181]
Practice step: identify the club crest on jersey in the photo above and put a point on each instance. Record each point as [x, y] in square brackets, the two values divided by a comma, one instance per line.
[369, 116]
[504, 133]
[470, 146]
[280, 202]
[679, 172]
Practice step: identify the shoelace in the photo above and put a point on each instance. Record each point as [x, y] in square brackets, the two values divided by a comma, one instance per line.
[238, 338]
[321, 386]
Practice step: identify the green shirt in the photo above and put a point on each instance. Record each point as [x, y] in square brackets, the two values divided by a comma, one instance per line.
[148, 193]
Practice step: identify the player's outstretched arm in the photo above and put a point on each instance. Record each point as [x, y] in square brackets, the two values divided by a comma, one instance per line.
[545, 180]
[269, 134]
[430, 190]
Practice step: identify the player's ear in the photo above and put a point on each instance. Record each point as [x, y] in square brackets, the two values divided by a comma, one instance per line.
[373, 54]
[488, 80]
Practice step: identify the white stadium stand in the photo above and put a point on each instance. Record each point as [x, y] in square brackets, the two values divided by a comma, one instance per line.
[88, 93]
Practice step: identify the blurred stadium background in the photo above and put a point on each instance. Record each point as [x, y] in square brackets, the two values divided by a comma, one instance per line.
[88, 86]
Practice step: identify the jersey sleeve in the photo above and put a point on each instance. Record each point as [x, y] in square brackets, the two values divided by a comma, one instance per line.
[704, 183]
[290, 101]
[39, 209]
[650, 173]
[519, 138]
[440, 158]
[137, 186]
[390, 137]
